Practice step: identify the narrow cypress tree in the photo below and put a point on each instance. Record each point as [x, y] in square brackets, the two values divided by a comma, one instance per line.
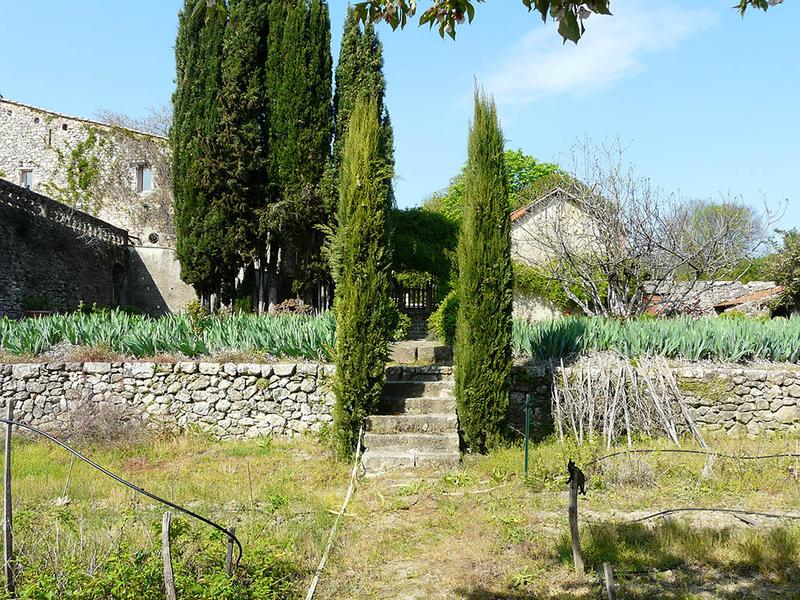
[243, 123]
[360, 72]
[362, 306]
[182, 134]
[299, 77]
[205, 248]
[483, 330]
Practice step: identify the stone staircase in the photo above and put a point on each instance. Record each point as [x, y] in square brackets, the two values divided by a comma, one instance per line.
[417, 424]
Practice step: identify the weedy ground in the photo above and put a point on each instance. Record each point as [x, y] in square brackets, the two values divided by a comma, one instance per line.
[479, 532]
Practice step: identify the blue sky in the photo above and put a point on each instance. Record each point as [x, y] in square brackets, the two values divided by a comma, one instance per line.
[706, 102]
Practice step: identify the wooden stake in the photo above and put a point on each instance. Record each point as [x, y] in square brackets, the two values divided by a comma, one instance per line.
[577, 555]
[8, 540]
[170, 593]
[611, 587]
[229, 554]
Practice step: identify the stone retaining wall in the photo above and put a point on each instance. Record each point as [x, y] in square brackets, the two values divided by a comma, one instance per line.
[731, 398]
[742, 401]
[247, 400]
[228, 400]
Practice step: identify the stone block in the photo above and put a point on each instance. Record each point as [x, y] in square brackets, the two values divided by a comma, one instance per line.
[208, 368]
[140, 370]
[25, 371]
[284, 369]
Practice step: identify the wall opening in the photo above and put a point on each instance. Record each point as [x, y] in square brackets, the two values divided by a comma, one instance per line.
[144, 178]
[26, 178]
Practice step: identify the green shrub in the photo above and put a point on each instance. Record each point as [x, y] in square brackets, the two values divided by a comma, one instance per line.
[442, 323]
[402, 327]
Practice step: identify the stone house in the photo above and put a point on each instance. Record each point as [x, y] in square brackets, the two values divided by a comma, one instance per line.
[533, 227]
[118, 175]
[557, 217]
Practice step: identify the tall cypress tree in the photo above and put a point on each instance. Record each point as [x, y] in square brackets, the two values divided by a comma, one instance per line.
[362, 306]
[205, 247]
[360, 72]
[299, 77]
[243, 123]
[483, 330]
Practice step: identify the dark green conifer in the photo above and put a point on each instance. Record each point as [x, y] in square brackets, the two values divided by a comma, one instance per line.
[483, 330]
[360, 72]
[363, 307]
[299, 78]
[207, 253]
[243, 124]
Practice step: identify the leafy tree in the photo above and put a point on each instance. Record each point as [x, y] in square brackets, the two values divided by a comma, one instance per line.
[423, 242]
[523, 172]
[446, 15]
[724, 231]
[363, 308]
[483, 330]
[785, 268]
[206, 248]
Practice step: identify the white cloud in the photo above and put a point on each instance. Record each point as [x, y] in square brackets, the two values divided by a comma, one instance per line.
[613, 48]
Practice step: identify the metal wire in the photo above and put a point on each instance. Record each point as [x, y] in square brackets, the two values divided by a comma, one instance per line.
[130, 485]
[733, 511]
[700, 452]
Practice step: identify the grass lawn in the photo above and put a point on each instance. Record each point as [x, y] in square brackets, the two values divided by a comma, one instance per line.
[479, 532]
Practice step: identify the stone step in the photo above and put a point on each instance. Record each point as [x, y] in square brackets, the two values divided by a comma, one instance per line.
[420, 351]
[418, 389]
[417, 406]
[421, 442]
[375, 462]
[419, 373]
[428, 423]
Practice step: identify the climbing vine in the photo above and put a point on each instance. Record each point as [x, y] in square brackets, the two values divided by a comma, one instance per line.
[81, 167]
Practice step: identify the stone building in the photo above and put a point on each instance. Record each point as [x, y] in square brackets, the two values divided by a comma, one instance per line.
[118, 175]
[555, 215]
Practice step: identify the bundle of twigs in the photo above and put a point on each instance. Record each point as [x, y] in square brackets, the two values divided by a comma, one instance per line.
[610, 397]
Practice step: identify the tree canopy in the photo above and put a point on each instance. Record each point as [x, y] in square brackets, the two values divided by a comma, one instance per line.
[526, 176]
[785, 268]
[447, 15]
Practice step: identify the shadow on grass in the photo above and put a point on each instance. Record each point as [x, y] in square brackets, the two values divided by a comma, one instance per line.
[674, 559]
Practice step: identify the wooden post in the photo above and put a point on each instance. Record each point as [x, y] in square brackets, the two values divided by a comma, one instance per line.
[611, 587]
[577, 555]
[8, 540]
[229, 554]
[170, 593]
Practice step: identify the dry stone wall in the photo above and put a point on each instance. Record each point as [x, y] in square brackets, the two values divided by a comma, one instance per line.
[227, 400]
[248, 400]
[742, 401]
[729, 398]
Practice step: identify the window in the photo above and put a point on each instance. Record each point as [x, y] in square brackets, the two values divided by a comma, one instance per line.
[144, 178]
[26, 178]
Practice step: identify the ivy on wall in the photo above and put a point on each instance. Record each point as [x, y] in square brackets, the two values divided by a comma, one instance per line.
[80, 165]
[539, 282]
